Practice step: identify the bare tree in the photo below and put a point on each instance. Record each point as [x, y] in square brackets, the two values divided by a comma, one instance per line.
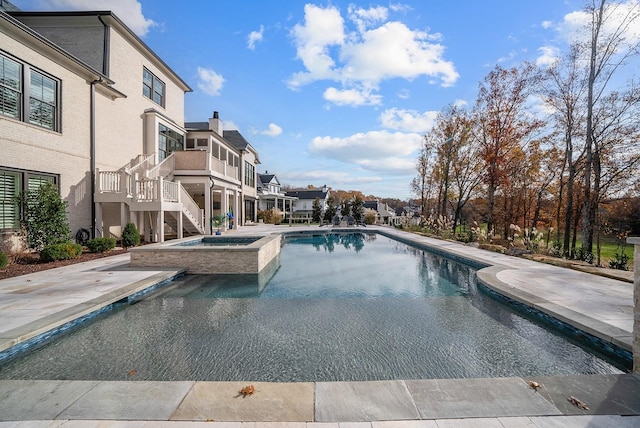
[609, 50]
[564, 91]
[421, 184]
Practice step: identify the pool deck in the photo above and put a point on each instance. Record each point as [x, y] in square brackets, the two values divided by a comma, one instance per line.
[35, 303]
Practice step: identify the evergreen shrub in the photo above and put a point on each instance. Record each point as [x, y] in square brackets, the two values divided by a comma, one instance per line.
[100, 245]
[62, 251]
[130, 236]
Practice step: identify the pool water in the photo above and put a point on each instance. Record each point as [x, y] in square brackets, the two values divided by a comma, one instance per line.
[341, 307]
[219, 241]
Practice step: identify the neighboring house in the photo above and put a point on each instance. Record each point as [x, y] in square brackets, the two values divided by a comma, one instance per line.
[270, 194]
[303, 207]
[92, 109]
[385, 214]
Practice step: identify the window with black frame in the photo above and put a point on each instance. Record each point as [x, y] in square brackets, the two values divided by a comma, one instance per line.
[152, 87]
[29, 94]
[169, 141]
[12, 183]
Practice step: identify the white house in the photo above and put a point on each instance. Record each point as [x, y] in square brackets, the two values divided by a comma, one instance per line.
[94, 110]
[270, 194]
[303, 206]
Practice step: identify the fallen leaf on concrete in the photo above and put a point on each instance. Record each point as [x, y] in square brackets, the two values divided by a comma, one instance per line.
[131, 372]
[534, 385]
[247, 390]
[578, 403]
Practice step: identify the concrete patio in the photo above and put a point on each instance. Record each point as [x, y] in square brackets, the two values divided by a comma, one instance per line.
[34, 304]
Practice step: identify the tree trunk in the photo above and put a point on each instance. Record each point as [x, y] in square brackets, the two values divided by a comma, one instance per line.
[587, 203]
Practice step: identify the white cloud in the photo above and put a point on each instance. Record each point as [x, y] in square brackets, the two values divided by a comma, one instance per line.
[353, 97]
[460, 103]
[323, 28]
[229, 125]
[209, 81]
[254, 37]
[331, 178]
[549, 55]
[574, 22]
[365, 18]
[362, 57]
[547, 24]
[403, 94]
[400, 7]
[129, 11]
[374, 150]
[273, 130]
[408, 120]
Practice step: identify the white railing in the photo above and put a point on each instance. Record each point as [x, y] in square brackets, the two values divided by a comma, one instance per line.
[146, 190]
[170, 191]
[224, 168]
[146, 163]
[109, 181]
[115, 182]
[164, 168]
[192, 208]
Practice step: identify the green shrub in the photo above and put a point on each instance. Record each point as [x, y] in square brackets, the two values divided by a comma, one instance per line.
[100, 245]
[45, 217]
[130, 236]
[620, 261]
[63, 251]
[584, 255]
[4, 260]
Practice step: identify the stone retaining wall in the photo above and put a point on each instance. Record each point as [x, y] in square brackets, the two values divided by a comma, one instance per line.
[250, 258]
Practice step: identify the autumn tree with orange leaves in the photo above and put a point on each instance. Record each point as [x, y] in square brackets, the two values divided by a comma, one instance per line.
[504, 126]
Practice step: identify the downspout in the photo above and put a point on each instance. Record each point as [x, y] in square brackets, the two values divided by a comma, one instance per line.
[105, 48]
[92, 124]
[92, 153]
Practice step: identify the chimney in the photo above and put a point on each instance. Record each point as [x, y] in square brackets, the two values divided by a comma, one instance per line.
[215, 124]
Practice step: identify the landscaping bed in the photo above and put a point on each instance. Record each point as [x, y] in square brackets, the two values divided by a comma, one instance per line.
[30, 262]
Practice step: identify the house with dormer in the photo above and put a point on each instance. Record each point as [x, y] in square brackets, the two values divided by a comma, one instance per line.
[270, 194]
[303, 206]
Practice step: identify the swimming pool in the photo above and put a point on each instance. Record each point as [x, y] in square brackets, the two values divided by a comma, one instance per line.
[340, 307]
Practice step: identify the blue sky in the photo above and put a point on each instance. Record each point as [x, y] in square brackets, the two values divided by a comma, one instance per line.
[340, 92]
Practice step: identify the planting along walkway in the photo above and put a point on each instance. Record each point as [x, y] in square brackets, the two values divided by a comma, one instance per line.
[603, 307]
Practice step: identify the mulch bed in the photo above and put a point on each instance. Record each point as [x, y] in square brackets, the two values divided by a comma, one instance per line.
[30, 262]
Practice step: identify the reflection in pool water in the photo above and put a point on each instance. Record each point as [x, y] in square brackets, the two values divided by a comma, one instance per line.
[340, 307]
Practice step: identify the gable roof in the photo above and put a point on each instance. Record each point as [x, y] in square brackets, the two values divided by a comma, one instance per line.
[107, 18]
[197, 126]
[236, 139]
[44, 46]
[267, 178]
[309, 193]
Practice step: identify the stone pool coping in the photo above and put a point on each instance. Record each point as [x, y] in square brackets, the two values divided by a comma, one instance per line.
[249, 258]
[601, 306]
[38, 299]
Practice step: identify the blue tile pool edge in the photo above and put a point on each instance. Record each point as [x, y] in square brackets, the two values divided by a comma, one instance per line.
[48, 335]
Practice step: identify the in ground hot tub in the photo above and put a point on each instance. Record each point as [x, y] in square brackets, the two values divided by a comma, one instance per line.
[211, 254]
